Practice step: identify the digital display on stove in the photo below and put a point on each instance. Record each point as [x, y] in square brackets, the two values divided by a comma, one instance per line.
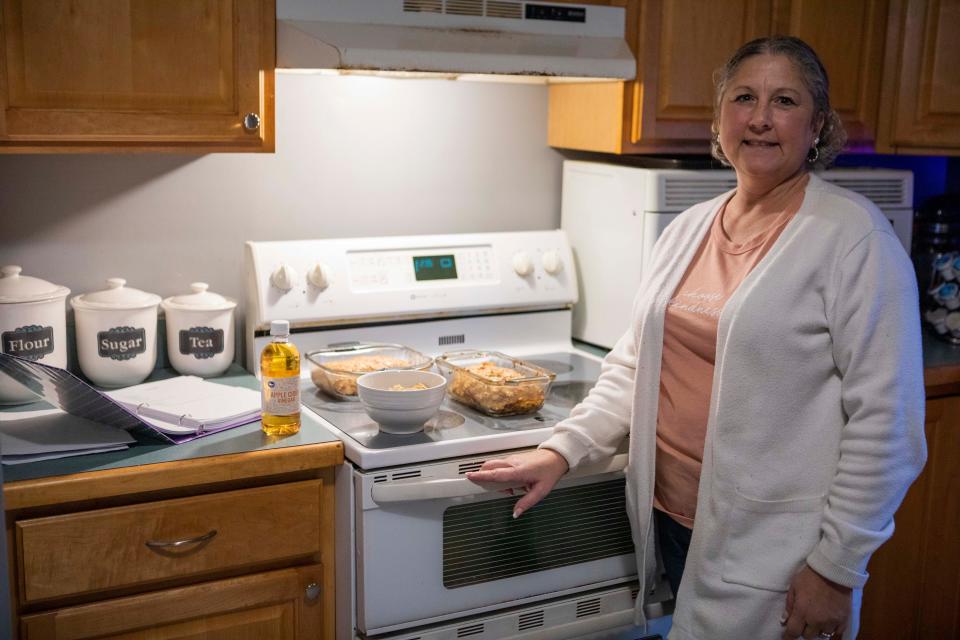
[434, 267]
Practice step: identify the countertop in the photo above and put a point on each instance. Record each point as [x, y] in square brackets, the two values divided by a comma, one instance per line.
[218, 455]
[941, 366]
[313, 445]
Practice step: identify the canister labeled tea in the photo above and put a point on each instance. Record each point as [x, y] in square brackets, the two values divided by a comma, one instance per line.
[200, 333]
[116, 334]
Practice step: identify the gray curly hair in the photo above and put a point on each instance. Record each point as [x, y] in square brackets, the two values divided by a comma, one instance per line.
[814, 76]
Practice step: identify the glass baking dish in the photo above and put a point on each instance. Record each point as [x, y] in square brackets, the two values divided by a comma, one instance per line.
[335, 368]
[494, 383]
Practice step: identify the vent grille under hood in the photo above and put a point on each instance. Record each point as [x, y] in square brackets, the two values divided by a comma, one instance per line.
[551, 41]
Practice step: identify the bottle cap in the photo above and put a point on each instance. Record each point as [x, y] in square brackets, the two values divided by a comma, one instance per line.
[280, 328]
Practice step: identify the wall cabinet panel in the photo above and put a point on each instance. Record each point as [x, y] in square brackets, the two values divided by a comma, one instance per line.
[82, 75]
[681, 43]
[914, 586]
[920, 105]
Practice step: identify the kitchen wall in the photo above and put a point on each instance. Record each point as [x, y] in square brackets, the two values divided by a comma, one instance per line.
[355, 156]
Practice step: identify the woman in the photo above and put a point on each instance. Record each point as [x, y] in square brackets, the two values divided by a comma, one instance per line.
[771, 381]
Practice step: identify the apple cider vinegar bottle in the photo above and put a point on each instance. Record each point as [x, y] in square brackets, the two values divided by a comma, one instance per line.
[280, 382]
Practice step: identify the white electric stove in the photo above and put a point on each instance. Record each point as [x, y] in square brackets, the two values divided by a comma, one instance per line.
[422, 552]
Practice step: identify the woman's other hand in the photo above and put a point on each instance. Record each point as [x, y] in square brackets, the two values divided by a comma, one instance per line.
[536, 471]
[816, 606]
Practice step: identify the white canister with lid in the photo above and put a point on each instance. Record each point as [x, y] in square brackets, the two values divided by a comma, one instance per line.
[200, 331]
[33, 325]
[116, 334]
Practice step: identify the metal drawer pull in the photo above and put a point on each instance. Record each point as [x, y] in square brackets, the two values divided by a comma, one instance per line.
[153, 544]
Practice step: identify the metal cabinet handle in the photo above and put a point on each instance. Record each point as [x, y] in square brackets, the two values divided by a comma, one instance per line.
[312, 591]
[251, 122]
[153, 544]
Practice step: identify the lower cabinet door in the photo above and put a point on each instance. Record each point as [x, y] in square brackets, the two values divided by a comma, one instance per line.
[271, 605]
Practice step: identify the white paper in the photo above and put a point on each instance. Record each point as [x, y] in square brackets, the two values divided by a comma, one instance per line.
[179, 405]
[26, 436]
[37, 457]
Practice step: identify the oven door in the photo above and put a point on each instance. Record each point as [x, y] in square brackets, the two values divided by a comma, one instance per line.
[432, 545]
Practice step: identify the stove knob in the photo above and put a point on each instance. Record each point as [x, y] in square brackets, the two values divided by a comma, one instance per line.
[552, 263]
[319, 276]
[522, 264]
[284, 278]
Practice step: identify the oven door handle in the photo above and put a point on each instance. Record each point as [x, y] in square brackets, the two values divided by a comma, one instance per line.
[461, 487]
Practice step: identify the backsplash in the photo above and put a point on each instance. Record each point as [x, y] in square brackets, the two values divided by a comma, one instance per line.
[356, 156]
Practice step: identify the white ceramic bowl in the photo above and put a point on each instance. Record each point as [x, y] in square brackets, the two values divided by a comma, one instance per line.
[401, 411]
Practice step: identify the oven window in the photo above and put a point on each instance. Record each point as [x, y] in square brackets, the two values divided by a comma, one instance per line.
[482, 542]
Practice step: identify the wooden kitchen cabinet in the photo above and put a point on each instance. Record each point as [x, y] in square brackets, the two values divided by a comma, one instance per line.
[261, 564]
[914, 588]
[680, 43]
[265, 605]
[97, 550]
[849, 38]
[136, 75]
[920, 101]
[669, 107]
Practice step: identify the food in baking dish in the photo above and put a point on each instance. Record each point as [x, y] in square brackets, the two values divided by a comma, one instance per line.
[335, 370]
[494, 383]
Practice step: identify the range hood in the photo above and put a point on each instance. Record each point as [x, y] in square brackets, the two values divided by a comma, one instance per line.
[552, 42]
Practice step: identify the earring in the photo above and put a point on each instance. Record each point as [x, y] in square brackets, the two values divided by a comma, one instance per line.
[816, 151]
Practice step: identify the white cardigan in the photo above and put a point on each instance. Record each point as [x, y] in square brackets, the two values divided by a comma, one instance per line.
[815, 427]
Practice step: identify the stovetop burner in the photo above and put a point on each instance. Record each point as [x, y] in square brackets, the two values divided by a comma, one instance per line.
[557, 366]
[455, 422]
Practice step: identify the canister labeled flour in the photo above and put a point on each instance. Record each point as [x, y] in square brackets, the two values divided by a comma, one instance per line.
[33, 325]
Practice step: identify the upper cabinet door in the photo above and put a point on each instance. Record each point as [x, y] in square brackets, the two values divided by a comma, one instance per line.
[920, 102]
[669, 107]
[682, 44]
[181, 75]
[848, 36]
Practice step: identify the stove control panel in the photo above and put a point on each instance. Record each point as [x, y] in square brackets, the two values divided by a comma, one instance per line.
[363, 279]
[407, 268]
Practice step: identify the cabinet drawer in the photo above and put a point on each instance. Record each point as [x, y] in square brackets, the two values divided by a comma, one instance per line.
[107, 548]
[280, 605]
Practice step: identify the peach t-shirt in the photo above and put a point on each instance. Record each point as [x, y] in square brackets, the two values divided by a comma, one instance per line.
[689, 353]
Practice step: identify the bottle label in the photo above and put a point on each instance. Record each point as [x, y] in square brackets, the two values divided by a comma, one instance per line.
[281, 396]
